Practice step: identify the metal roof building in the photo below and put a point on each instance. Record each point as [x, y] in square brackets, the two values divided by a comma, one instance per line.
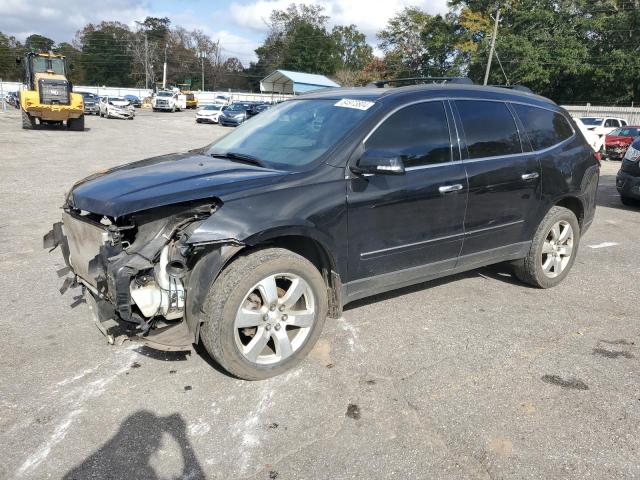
[284, 81]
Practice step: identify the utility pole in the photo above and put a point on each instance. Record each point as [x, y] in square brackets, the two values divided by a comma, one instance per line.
[164, 69]
[202, 55]
[493, 47]
[146, 62]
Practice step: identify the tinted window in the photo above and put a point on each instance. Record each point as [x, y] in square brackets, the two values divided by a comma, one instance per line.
[612, 123]
[544, 127]
[419, 134]
[489, 128]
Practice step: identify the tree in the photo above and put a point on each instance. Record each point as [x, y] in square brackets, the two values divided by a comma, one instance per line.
[298, 40]
[418, 44]
[571, 51]
[106, 55]
[10, 49]
[352, 47]
[39, 43]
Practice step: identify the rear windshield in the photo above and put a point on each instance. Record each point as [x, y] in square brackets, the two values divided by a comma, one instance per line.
[592, 121]
[293, 134]
[626, 132]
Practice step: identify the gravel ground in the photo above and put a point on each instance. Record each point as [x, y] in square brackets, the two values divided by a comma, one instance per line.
[472, 376]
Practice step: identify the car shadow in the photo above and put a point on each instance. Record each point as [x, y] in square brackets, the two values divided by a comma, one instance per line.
[131, 451]
[502, 272]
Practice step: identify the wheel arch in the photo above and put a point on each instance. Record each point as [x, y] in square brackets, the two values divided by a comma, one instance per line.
[214, 259]
[574, 204]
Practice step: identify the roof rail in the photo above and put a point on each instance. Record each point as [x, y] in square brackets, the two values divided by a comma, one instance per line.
[519, 88]
[417, 80]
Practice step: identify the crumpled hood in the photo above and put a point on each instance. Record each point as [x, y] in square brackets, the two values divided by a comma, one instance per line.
[165, 180]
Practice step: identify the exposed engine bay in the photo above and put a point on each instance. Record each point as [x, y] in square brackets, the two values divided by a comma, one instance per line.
[136, 266]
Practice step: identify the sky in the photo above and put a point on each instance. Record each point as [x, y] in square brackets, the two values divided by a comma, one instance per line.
[238, 24]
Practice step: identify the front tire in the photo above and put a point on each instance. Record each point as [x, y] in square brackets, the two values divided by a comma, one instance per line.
[553, 250]
[28, 122]
[76, 124]
[264, 313]
[629, 202]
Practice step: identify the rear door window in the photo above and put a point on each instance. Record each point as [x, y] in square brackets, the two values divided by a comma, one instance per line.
[419, 134]
[489, 128]
[545, 128]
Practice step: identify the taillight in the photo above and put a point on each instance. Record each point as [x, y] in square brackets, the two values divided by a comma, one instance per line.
[597, 156]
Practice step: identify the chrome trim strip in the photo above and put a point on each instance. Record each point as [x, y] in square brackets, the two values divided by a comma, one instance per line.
[432, 240]
[493, 227]
[408, 245]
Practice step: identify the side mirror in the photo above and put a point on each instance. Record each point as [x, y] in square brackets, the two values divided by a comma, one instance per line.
[379, 162]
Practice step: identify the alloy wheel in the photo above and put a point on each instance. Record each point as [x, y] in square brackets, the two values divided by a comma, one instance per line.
[274, 319]
[557, 249]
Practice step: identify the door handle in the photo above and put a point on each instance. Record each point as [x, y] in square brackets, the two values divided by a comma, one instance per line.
[530, 176]
[450, 188]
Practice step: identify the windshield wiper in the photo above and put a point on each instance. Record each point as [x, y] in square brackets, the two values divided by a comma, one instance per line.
[240, 157]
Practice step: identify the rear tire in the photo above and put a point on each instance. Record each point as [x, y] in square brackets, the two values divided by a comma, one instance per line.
[629, 202]
[76, 124]
[248, 303]
[28, 122]
[553, 250]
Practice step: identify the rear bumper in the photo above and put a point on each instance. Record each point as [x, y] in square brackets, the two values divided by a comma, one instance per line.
[628, 185]
[91, 108]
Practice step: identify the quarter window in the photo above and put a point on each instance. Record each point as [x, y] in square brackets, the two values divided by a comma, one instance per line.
[489, 128]
[544, 127]
[419, 134]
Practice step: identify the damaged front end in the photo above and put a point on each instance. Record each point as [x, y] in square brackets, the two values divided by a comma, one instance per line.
[136, 268]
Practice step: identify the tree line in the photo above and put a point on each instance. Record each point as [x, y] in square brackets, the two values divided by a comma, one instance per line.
[573, 51]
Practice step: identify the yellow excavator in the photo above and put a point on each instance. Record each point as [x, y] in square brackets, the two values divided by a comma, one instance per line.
[48, 96]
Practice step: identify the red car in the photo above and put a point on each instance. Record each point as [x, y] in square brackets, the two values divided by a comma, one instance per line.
[617, 142]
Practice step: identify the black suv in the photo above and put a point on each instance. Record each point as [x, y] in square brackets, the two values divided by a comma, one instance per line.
[247, 245]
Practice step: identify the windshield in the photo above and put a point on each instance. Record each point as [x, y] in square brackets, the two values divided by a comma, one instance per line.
[626, 132]
[165, 94]
[238, 107]
[44, 64]
[211, 107]
[116, 99]
[592, 121]
[291, 135]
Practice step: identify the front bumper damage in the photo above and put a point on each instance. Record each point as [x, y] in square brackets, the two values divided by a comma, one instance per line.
[133, 273]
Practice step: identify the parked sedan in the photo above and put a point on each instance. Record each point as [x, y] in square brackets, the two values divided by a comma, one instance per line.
[116, 107]
[133, 100]
[617, 142]
[209, 113]
[234, 115]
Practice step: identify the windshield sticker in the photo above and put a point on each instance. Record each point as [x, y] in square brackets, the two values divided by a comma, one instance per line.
[357, 104]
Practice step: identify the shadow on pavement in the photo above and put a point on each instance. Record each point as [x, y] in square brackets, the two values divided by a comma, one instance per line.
[502, 272]
[129, 452]
[608, 195]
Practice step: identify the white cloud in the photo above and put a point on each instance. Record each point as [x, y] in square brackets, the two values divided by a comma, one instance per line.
[368, 16]
[61, 21]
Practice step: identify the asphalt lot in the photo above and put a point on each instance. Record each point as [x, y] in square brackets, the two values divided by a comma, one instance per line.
[472, 376]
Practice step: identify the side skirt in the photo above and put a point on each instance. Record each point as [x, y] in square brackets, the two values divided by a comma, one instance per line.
[370, 286]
